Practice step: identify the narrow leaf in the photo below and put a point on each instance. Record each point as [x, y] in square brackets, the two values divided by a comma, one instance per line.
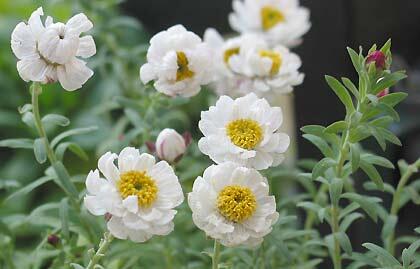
[77, 131]
[55, 119]
[39, 150]
[30, 187]
[16, 143]
[342, 93]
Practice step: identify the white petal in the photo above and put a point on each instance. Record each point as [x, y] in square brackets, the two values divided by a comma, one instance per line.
[94, 205]
[147, 73]
[23, 42]
[32, 69]
[87, 47]
[74, 74]
[127, 159]
[78, 24]
[107, 167]
[55, 48]
[35, 23]
[94, 182]
[117, 228]
[145, 162]
[139, 236]
[131, 203]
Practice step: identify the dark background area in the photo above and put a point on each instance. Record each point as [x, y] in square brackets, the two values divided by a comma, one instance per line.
[336, 24]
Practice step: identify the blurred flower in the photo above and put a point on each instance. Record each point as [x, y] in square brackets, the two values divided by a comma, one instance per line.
[178, 61]
[277, 21]
[49, 53]
[383, 93]
[247, 64]
[244, 131]
[231, 203]
[53, 240]
[140, 194]
[171, 146]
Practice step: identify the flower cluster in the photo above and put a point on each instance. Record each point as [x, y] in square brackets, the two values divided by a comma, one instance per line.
[50, 52]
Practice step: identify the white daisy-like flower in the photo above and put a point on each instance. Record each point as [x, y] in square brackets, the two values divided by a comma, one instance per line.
[247, 63]
[245, 131]
[178, 62]
[231, 204]
[139, 194]
[277, 21]
[50, 52]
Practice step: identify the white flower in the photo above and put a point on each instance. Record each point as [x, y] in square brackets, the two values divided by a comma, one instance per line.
[178, 61]
[231, 203]
[170, 146]
[277, 21]
[140, 194]
[50, 53]
[244, 131]
[248, 64]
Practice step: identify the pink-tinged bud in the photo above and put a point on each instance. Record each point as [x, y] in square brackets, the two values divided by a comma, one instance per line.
[170, 145]
[53, 240]
[383, 93]
[378, 57]
[150, 146]
[107, 216]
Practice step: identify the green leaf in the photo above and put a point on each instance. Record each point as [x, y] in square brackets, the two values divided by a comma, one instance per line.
[378, 137]
[55, 119]
[382, 254]
[30, 187]
[389, 136]
[388, 110]
[64, 216]
[393, 99]
[310, 206]
[321, 167]
[344, 242]
[39, 150]
[28, 119]
[73, 147]
[411, 250]
[386, 47]
[342, 93]
[64, 180]
[76, 266]
[77, 131]
[336, 127]
[370, 186]
[354, 157]
[373, 174]
[377, 160]
[388, 81]
[348, 220]
[368, 204]
[348, 209]
[17, 143]
[355, 59]
[352, 88]
[320, 144]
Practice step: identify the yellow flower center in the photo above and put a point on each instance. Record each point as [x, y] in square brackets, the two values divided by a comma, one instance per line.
[244, 133]
[236, 203]
[229, 53]
[183, 71]
[270, 17]
[140, 184]
[275, 58]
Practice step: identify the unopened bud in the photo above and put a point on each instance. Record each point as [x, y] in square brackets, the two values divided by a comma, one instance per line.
[383, 93]
[53, 240]
[378, 57]
[171, 146]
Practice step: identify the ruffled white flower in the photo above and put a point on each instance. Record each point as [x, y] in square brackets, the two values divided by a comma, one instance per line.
[247, 64]
[277, 21]
[178, 62]
[231, 203]
[139, 194]
[245, 131]
[50, 52]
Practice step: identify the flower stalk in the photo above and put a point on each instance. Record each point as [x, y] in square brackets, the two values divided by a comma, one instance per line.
[102, 249]
[215, 258]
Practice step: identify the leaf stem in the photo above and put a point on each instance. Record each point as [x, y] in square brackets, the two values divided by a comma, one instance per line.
[216, 255]
[103, 247]
[395, 206]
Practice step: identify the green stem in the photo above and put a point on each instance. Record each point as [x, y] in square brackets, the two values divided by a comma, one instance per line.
[335, 230]
[395, 206]
[216, 255]
[103, 247]
[36, 91]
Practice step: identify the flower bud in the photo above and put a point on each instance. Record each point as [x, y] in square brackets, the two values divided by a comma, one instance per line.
[378, 57]
[170, 145]
[53, 240]
[383, 93]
